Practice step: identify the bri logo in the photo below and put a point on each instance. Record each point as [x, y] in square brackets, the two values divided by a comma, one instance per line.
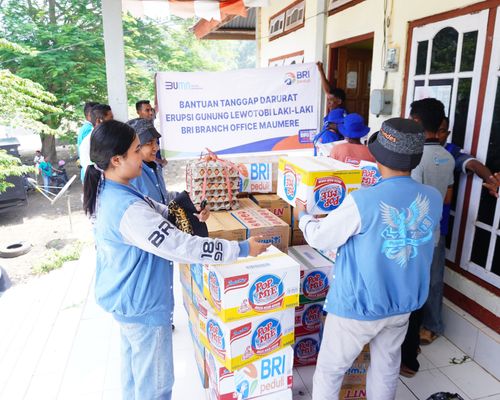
[214, 289]
[306, 349]
[315, 285]
[289, 78]
[329, 192]
[290, 182]
[311, 319]
[266, 337]
[266, 293]
[216, 338]
[298, 77]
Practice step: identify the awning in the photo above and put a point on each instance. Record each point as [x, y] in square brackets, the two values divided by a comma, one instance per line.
[209, 10]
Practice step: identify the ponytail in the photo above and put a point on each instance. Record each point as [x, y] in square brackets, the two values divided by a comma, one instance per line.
[109, 139]
[91, 184]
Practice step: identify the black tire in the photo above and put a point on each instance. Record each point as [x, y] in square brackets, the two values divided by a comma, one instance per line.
[15, 249]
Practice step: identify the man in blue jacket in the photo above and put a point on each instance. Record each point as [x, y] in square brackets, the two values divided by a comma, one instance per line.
[385, 235]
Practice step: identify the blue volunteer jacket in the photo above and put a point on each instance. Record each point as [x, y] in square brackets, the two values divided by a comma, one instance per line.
[134, 242]
[385, 235]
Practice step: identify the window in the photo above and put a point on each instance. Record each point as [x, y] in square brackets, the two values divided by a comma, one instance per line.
[287, 20]
[276, 25]
[445, 62]
[294, 16]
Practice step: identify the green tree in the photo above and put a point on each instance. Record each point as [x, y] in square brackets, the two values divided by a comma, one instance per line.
[10, 166]
[68, 53]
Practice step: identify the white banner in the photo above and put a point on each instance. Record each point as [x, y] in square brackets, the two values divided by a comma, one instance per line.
[236, 112]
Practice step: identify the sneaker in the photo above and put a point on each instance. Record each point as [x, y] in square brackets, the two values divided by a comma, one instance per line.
[406, 371]
[427, 336]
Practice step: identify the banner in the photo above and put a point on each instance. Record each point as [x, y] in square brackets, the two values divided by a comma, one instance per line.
[236, 112]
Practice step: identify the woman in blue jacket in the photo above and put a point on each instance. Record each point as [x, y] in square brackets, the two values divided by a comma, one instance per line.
[134, 241]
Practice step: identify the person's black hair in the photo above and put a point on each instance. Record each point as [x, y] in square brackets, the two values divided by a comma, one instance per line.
[109, 139]
[338, 93]
[430, 111]
[99, 111]
[140, 103]
[88, 107]
[445, 118]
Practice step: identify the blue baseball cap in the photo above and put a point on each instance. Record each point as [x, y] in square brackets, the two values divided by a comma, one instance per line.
[336, 116]
[354, 126]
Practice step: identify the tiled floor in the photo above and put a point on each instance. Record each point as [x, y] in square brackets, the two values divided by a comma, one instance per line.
[55, 343]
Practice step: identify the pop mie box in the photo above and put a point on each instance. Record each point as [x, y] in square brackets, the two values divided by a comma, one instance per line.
[264, 376]
[315, 272]
[263, 222]
[238, 343]
[306, 349]
[283, 395]
[320, 183]
[370, 173]
[308, 318]
[252, 285]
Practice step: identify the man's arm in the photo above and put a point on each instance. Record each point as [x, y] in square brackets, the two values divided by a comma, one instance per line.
[335, 229]
[491, 181]
[324, 81]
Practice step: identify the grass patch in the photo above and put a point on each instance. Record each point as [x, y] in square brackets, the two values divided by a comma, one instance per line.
[54, 259]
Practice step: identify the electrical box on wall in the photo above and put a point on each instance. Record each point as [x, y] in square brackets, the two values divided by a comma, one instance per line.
[391, 59]
[381, 102]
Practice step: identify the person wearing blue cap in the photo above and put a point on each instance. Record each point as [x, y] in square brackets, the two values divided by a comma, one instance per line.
[330, 133]
[353, 152]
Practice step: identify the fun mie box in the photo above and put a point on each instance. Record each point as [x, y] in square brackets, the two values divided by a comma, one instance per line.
[238, 343]
[320, 183]
[264, 376]
[252, 286]
[315, 272]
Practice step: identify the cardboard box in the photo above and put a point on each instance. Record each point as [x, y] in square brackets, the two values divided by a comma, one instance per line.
[298, 237]
[185, 277]
[199, 356]
[196, 272]
[352, 392]
[306, 350]
[238, 343]
[252, 286]
[356, 374]
[283, 395]
[264, 376]
[246, 202]
[275, 204]
[315, 273]
[223, 225]
[371, 174]
[308, 318]
[186, 299]
[257, 178]
[263, 222]
[320, 183]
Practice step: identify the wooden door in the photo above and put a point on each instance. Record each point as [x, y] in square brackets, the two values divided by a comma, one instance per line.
[354, 75]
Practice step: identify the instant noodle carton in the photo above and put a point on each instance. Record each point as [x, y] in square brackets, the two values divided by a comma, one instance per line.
[306, 349]
[222, 225]
[238, 343]
[308, 318]
[371, 174]
[320, 183]
[275, 204]
[315, 272]
[270, 374]
[283, 395]
[252, 286]
[263, 222]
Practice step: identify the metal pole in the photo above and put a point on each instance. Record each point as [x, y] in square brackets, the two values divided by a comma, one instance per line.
[69, 212]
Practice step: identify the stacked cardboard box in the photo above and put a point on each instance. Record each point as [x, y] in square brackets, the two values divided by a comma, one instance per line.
[320, 183]
[241, 318]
